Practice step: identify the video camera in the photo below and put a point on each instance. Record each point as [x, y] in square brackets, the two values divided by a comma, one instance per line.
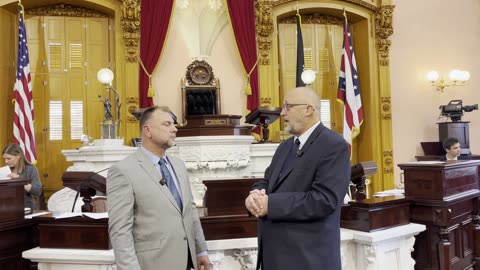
[454, 109]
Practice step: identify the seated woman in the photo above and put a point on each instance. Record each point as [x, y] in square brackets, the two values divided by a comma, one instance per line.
[21, 168]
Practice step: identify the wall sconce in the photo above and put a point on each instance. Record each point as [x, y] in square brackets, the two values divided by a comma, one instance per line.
[458, 78]
[110, 126]
[308, 76]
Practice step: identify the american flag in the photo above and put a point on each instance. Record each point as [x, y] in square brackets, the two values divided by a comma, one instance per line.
[349, 88]
[23, 131]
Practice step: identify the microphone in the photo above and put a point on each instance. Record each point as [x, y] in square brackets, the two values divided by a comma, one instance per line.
[163, 181]
[81, 184]
[299, 153]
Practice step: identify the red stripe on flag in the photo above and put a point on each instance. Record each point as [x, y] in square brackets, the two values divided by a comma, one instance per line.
[23, 130]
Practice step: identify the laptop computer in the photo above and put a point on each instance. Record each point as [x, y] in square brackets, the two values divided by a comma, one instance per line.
[432, 148]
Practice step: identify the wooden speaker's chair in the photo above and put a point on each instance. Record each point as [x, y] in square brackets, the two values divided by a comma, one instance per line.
[200, 91]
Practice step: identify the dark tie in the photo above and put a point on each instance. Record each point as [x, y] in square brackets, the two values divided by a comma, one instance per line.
[291, 155]
[296, 146]
[170, 183]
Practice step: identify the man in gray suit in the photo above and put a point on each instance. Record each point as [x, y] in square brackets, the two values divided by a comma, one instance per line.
[153, 222]
[298, 202]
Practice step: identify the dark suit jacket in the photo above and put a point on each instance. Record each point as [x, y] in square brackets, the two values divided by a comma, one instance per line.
[302, 228]
[461, 157]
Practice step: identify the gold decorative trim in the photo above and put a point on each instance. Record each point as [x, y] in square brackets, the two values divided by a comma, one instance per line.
[65, 10]
[264, 28]
[386, 108]
[356, 2]
[131, 119]
[266, 101]
[130, 22]
[200, 73]
[383, 30]
[388, 162]
[132, 105]
[315, 18]
[131, 100]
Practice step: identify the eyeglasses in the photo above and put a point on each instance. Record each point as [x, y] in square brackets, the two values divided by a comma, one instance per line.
[286, 106]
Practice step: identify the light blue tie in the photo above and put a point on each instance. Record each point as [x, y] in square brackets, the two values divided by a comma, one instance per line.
[170, 183]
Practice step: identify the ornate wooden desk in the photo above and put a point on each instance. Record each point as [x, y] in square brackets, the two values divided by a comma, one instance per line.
[16, 233]
[445, 197]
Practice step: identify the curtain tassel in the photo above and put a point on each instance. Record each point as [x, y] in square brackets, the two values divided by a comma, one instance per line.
[248, 88]
[150, 92]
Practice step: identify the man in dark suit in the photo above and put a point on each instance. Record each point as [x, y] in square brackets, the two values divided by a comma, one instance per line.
[153, 222]
[298, 203]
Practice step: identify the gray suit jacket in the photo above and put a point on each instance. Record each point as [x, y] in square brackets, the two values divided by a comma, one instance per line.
[147, 229]
[31, 172]
[302, 227]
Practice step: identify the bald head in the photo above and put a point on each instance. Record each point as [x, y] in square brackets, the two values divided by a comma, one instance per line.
[305, 95]
[301, 110]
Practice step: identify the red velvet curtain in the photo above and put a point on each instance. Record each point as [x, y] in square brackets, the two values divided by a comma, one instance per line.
[154, 21]
[242, 16]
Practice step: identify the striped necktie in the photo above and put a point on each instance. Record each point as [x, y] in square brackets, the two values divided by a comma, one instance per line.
[170, 183]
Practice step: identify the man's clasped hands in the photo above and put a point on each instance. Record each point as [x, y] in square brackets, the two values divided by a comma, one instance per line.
[257, 203]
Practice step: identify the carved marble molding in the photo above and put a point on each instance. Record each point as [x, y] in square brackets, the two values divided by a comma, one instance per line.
[383, 30]
[216, 259]
[410, 242]
[130, 22]
[315, 18]
[65, 10]
[388, 162]
[264, 28]
[246, 257]
[210, 157]
[370, 256]
[198, 191]
[386, 108]
[216, 157]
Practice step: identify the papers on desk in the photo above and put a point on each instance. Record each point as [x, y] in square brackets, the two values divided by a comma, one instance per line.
[390, 192]
[96, 215]
[4, 171]
[57, 215]
[36, 214]
[80, 214]
[68, 215]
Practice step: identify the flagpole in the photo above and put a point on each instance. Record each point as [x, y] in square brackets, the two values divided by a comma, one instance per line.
[300, 65]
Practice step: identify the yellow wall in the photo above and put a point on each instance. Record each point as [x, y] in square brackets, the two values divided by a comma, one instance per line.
[431, 34]
[7, 72]
[224, 60]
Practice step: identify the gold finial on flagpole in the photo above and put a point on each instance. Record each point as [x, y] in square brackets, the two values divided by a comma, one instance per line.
[296, 6]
